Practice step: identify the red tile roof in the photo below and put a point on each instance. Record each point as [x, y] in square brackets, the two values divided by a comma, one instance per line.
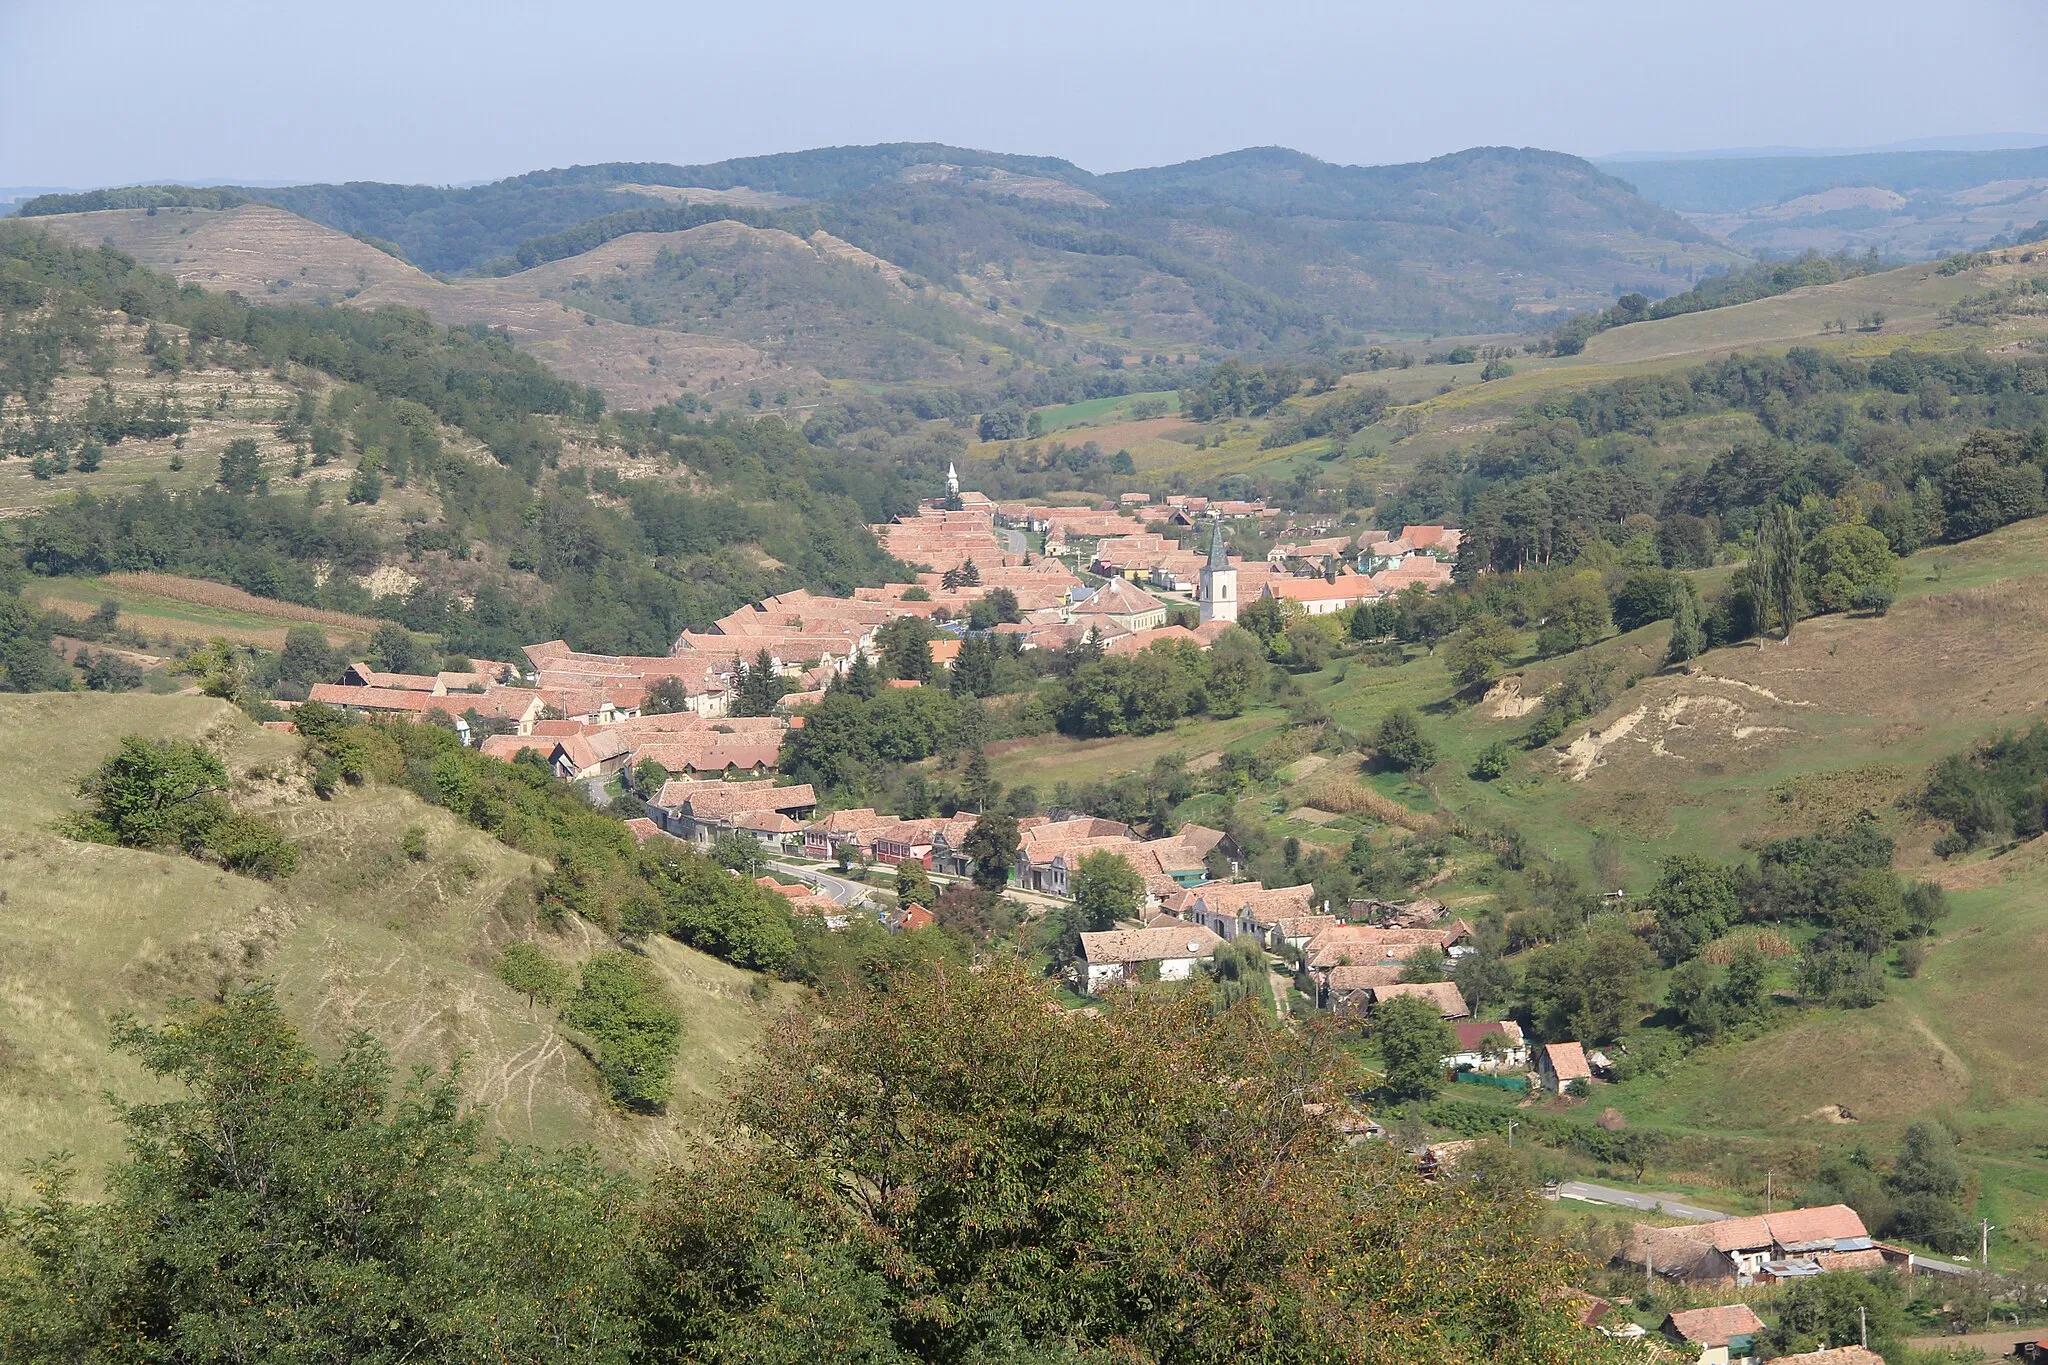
[1716, 1326]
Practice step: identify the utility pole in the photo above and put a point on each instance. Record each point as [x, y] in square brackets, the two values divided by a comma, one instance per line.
[1511, 1134]
[1863, 1325]
[1984, 1243]
[1767, 1191]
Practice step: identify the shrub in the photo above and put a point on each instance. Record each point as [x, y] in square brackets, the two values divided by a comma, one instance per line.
[533, 971]
[253, 847]
[622, 1007]
[1494, 761]
[1401, 744]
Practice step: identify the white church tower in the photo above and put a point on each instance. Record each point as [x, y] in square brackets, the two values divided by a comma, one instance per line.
[1217, 594]
[952, 480]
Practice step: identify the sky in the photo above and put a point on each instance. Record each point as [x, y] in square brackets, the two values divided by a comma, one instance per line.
[94, 92]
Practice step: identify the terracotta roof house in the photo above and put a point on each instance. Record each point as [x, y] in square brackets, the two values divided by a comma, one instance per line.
[598, 753]
[701, 811]
[908, 918]
[1120, 955]
[1358, 944]
[1343, 990]
[1231, 909]
[1491, 1045]
[1586, 1309]
[1559, 1064]
[509, 747]
[1317, 597]
[1125, 604]
[823, 837]
[1767, 1246]
[1449, 1003]
[1724, 1335]
[519, 708]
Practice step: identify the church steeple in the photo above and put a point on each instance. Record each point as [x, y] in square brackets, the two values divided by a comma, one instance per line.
[952, 480]
[1217, 593]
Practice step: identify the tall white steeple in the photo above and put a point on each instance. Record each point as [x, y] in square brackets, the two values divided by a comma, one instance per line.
[1217, 595]
[952, 480]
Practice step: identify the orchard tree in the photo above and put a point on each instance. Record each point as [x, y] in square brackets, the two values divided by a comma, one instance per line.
[1400, 743]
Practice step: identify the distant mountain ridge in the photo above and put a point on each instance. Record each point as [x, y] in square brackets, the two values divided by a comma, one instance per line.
[925, 263]
[1264, 244]
[1729, 185]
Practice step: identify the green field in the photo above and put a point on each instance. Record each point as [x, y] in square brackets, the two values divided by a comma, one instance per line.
[1758, 743]
[1099, 412]
[172, 621]
[363, 937]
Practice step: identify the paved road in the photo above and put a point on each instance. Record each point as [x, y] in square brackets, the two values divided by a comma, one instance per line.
[1018, 545]
[1630, 1199]
[841, 890]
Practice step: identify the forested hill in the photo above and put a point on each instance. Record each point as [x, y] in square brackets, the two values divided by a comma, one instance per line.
[1255, 248]
[517, 506]
[1731, 184]
[1903, 204]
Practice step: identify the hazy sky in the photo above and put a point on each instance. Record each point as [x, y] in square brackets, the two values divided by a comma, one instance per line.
[93, 92]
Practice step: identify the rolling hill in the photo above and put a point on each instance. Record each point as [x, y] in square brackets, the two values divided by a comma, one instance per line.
[1905, 204]
[922, 263]
[365, 937]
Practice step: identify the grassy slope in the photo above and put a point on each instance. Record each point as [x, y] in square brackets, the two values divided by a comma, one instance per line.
[1454, 408]
[361, 938]
[1760, 742]
[163, 617]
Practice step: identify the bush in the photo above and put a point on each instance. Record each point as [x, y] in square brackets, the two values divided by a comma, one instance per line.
[170, 793]
[624, 1009]
[533, 971]
[1400, 743]
[253, 847]
[1874, 598]
[1494, 761]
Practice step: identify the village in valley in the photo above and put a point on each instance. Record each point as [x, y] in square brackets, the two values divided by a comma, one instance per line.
[1113, 579]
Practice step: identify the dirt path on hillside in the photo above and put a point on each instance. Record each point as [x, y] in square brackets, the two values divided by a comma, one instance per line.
[1948, 1056]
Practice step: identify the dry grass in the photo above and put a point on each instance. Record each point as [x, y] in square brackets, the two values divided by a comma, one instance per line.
[364, 937]
[1769, 942]
[1334, 792]
[268, 253]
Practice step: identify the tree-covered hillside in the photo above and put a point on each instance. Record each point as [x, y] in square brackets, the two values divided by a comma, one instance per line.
[1259, 247]
[690, 520]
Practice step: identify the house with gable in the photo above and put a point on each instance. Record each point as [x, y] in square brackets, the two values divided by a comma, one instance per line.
[1125, 955]
[1724, 1335]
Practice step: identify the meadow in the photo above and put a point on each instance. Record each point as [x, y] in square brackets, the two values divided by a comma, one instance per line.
[364, 937]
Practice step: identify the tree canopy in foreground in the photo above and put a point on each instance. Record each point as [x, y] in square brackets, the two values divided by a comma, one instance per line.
[955, 1169]
[948, 1168]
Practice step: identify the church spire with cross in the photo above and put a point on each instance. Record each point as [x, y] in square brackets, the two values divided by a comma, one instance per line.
[1217, 593]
